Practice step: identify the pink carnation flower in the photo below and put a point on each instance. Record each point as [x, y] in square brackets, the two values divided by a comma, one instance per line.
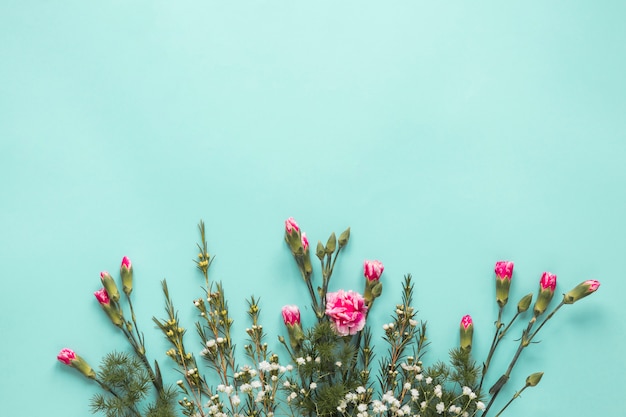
[504, 269]
[305, 241]
[291, 225]
[548, 281]
[66, 356]
[347, 311]
[102, 296]
[291, 315]
[373, 270]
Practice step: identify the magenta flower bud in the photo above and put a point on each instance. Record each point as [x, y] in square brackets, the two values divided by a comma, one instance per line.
[548, 281]
[109, 284]
[373, 270]
[547, 285]
[68, 357]
[291, 226]
[581, 290]
[102, 296]
[466, 332]
[291, 315]
[126, 272]
[112, 311]
[504, 272]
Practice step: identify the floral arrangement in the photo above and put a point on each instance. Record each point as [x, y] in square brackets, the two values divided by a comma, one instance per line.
[332, 368]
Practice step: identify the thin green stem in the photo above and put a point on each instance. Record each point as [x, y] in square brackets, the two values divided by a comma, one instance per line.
[517, 394]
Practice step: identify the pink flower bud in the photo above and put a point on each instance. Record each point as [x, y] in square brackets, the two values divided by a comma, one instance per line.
[102, 296]
[291, 315]
[305, 242]
[347, 311]
[581, 291]
[547, 285]
[466, 332]
[504, 270]
[373, 270]
[291, 225]
[126, 263]
[548, 281]
[126, 272]
[66, 356]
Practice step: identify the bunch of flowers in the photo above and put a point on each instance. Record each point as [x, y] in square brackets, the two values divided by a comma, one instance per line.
[330, 368]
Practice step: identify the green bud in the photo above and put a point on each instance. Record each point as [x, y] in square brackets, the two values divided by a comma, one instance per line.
[524, 303]
[377, 289]
[320, 251]
[533, 379]
[109, 285]
[331, 244]
[344, 237]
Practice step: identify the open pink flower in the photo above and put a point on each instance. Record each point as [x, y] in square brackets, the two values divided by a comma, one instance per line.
[291, 225]
[66, 356]
[102, 296]
[548, 281]
[291, 315]
[373, 270]
[347, 311]
[504, 269]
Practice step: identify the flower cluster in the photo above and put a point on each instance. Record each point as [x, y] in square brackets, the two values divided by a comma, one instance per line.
[326, 369]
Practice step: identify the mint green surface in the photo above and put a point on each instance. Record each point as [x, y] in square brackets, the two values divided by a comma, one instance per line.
[448, 135]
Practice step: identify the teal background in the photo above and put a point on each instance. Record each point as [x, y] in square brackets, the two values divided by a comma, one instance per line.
[448, 135]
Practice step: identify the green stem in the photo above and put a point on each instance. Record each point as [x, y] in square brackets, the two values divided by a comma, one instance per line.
[517, 394]
[494, 344]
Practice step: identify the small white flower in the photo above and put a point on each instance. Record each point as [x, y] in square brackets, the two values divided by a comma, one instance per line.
[362, 407]
[220, 340]
[360, 390]
[300, 361]
[440, 408]
[480, 405]
[338, 364]
[256, 384]
[429, 380]
[274, 378]
[437, 391]
[235, 400]
[407, 386]
[246, 388]
[415, 394]
[286, 384]
[318, 359]
[313, 385]
[264, 366]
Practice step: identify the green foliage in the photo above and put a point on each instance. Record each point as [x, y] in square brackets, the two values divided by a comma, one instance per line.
[127, 385]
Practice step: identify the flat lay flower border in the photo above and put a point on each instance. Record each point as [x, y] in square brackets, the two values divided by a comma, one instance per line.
[332, 368]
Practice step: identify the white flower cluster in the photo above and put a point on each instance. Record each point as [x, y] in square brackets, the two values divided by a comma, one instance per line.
[406, 405]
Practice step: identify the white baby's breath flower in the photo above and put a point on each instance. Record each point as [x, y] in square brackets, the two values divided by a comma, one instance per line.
[360, 390]
[312, 385]
[429, 380]
[264, 366]
[362, 407]
[407, 385]
[235, 400]
[338, 364]
[440, 408]
[480, 405]
[300, 361]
